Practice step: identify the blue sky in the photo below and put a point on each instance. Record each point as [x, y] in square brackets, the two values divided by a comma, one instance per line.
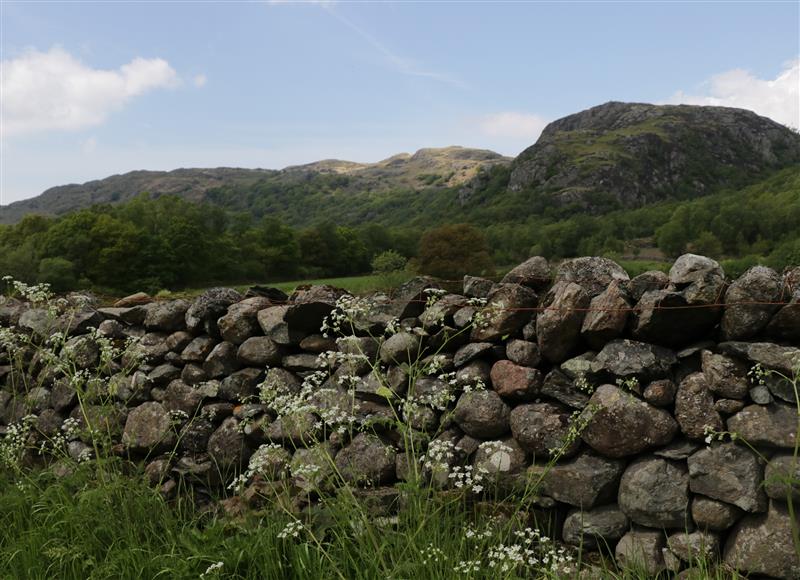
[91, 89]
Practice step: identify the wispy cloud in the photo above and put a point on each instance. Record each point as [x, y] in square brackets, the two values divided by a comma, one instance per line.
[401, 64]
[45, 91]
[778, 98]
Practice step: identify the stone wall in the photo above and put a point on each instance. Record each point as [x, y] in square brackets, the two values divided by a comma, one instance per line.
[631, 405]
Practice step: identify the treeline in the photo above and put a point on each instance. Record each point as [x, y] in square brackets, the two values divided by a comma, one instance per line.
[171, 243]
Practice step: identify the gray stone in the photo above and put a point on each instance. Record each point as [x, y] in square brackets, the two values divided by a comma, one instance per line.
[758, 284]
[178, 340]
[195, 434]
[785, 323]
[618, 424]
[181, 397]
[607, 316]
[762, 544]
[560, 387]
[523, 352]
[782, 477]
[221, 361]
[302, 362]
[583, 481]
[227, 446]
[204, 312]
[259, 351]
[506, 312]
[773, 425]
[771, 356]
[240, 322]
[558, 327]
[726, 377]
[82, 351]
[534, 273]
[591, 273]
[694, 407]
[313, 469]
[590, 529]
[728, 406]
[627, 359]
[543, 429]
[193, 374]
[482, 414]
[712, 514]
[645, 282]
[641, 550]
[700, 546]
[166, 316]
[471, 351]
[163, 374]
[241, 385]
[514, 382]
[729, 473]
[761, 395]
[198, 349]
[297, 429]
[149, 428]
[677, 450]
[366, 461]
[497, 458]
[477, 287]
[402, 347]
[654, 492]
[660, 393]
[273, 322]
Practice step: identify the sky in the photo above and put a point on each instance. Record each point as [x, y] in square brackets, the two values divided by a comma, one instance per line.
[91, 89]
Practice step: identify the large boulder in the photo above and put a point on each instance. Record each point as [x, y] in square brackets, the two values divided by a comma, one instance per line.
[166, 316]
[544, 429]
[783, 359]
[654, 492]
[607, 316]
[514, 382]
[584, 481]
[558, 326]
[725, 376]
[508, 308]
[730, 473]
[402, 347]
[259, 351]
[482, 414]
[743, 317]
[204, 312]
[366, 461]
[773, 425]
[240, 322]
[712, 514]
[642, 550]
[534, 273]
[149, 428]
[762, 544]
[629, 359]
[593, 274]
[618, 424]
[785, 323]
[601, 526]
[694, 407]
[228, 447]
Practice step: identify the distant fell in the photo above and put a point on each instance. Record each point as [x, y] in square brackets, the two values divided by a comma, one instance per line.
[432, 167]
[632, 154]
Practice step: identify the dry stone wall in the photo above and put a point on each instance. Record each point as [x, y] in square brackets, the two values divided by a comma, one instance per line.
[648, 412]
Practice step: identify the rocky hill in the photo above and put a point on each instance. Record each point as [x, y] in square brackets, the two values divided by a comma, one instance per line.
[437, 168]
[634, 154]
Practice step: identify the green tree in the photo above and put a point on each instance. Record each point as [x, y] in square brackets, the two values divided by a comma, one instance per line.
[451, 251]
[59, 273]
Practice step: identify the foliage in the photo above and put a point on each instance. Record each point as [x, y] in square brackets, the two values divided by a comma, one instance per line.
[451, 251]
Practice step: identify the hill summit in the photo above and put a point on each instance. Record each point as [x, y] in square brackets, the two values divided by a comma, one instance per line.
[635, 153]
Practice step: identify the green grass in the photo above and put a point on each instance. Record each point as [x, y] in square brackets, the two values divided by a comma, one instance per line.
[354, 284]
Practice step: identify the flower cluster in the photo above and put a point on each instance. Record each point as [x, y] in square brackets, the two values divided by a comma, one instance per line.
[291, 530]
[213, 569]
[439, 455]
[432, 554]
[347, 309]
[712, 435]
[468, 479]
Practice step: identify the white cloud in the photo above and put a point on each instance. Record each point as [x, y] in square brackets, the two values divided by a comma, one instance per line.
[778, 98]
[89, 146]
[513, 125]
[44, 91]
[200, 80]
